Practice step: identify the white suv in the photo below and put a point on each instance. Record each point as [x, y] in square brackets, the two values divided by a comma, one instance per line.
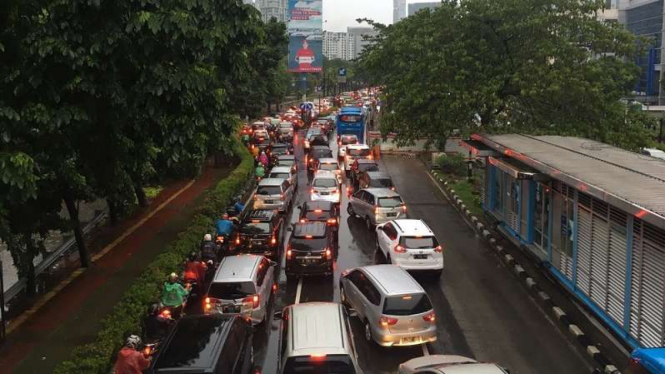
[410, 244]
[355, 152]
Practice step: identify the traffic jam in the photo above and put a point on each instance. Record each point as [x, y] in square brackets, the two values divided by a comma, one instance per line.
[322, 270]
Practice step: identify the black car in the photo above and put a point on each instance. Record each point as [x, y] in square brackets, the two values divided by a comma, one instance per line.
[376, 179]
[279, 149]
[260, 232]
[213, 344]
[286, 160]
[311, 250]
[360, 167]
[318, 152]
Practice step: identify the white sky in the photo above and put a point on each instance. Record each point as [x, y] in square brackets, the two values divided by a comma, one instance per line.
[340, 14]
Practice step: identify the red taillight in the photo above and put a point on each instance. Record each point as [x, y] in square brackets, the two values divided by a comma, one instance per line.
[438, 249]
[328, 253]
[256, 197]
[207, 305]
[404, 208]
[238, 239]
[370, 157]
[387, 321]
[332, 220]
[400, 249]
[147, 350]
[273, 241]
[281, 196]
[335, 191]
[166, 313]
[303, 220]
[376, 210]
[430, 317]
[254, 299]
[311, 190]
[288, 253]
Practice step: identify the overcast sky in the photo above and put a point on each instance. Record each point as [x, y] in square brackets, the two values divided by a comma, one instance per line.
[340, 14]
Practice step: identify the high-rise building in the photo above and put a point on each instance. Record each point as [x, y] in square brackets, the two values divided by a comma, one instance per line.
[399, 10]
[337, 45]
[272, 8]
[250, 2]
[357, 36]
[415, 7]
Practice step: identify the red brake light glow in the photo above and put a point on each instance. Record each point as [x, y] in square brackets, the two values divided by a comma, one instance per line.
[438, 249]
[400, 249]
[430, 317]
[387, 321]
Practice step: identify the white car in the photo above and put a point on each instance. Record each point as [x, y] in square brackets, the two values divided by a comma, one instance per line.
[284, 172]
[356, 152]
[448, 364]
[330, 165]
[345, 140]
[325, 187]
[410, 244]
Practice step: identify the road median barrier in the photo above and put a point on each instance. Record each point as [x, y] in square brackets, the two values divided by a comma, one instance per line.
[566, 324]
[97, 357]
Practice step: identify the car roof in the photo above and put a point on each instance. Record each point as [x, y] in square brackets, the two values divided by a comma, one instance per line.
[314, 229]
[328, 160]
[260, 214]
[271, 182]
[315, 205]
[286, 157]
[451, 364]
[378, 175]
[357, 146]
[280, 169]
[324, 174]
[317, 328]
[412, 227]
[365, 161]
[191, 337]
[349, 136]
[257, 123]
[393, 279]
[381, 192]
[280, 145]
[239, 268]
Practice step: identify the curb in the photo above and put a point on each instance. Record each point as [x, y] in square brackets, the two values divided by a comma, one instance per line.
[542, 297]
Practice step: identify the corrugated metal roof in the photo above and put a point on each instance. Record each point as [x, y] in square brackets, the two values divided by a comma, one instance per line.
[606, 172]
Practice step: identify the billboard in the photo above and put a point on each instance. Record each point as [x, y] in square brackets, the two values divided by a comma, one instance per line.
[305, 27]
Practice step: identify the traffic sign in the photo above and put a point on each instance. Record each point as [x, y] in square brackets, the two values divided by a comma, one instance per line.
[306, 106]
[341, 72]
[341, 79]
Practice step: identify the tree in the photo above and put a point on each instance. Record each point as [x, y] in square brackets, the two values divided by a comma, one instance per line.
[504, 65]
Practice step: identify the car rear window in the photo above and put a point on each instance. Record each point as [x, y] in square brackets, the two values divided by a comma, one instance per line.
[368, 167]
[324, 182]
[321, 153]
[231, 290]
[390, 202]
[313, 131]
[279, 175]
[322, 215]
[359, 152]
[381, 183]
[328, 166]
[349, 140]
[418, 243]
[268, 190]
[304, 244]
[286, 162]
[330, 364]
[406, 305]
[256, 228]
[285, 125]
[280, 150]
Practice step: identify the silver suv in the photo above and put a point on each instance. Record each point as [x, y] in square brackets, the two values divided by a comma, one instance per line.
[274, 193]
[394, 308]
[316, 334]
[242, 285]
[376, 206]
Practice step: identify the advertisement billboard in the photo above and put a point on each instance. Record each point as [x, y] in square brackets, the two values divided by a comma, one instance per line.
[305, 27]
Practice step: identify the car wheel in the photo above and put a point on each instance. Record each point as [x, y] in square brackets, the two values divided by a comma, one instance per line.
[368, 332]
[369, 224]
[349, 209]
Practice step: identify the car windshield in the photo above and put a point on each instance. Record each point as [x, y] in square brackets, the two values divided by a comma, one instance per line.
[390, 202]
[368, 167]
[384, 183]
[359, 152]
[285, 125]
[419, 243]
[232, 290]
[268, 190]
[313, 131]
[321, 153]
[279, 175]
[305, 245]
[406, 305]
[331, 364]
[286, 162]
[253, 228]
[280, 150]
[328, 166]
[325, 182]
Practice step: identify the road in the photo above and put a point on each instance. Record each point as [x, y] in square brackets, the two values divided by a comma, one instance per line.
[482, 309]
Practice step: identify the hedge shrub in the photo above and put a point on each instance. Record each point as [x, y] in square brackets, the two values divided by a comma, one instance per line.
[97, 357]
[452, 164]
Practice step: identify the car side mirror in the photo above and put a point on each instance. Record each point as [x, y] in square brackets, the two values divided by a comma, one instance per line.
[289, 229]
[381, 228]
[277, 315]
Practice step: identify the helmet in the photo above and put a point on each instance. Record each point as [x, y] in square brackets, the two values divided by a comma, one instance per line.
[173, 277]
[207, 237]
[153, 309]
[133, 341]
[192, 256]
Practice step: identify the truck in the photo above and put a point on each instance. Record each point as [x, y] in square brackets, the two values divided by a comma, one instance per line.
[350, 120]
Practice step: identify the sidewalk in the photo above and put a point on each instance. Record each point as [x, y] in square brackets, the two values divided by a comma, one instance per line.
[73, 316]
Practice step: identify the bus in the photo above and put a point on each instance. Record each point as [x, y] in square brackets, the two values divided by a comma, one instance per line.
[351, 121]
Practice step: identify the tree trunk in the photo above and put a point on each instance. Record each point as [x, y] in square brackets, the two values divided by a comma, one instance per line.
[140, 195]
[113, 211]
[78, 232]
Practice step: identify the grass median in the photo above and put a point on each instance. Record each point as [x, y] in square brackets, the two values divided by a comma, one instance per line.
[97, 357]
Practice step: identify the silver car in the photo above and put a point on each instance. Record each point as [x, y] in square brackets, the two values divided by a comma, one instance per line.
[284, 172]
[376, 206]
[448, 364]
[325, 187]
[242, 286]
[394, 308]
[274, 193]
[286, 129]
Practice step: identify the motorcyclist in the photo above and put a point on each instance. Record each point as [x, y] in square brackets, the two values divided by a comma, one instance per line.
[260, 171]
[263, 158]
[245, 139]
[255, 151]
[156, 325]
[208, 248]
[195, 269]
[130, 360]
[173, 295]
[238, 206]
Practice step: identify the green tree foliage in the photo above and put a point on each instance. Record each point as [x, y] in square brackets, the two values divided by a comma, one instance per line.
[504, 66]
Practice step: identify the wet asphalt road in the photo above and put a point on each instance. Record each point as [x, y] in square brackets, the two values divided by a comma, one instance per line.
[482, 309]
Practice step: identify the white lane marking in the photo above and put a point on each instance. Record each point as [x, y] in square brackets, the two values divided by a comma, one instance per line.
[425, 350]
[298, 291]
[447, 198]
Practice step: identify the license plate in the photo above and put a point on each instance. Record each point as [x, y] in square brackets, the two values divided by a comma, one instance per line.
[325, 193]
[391, 214]
[407, 340]
[269, 201]
[231, 309]
[420, 257]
